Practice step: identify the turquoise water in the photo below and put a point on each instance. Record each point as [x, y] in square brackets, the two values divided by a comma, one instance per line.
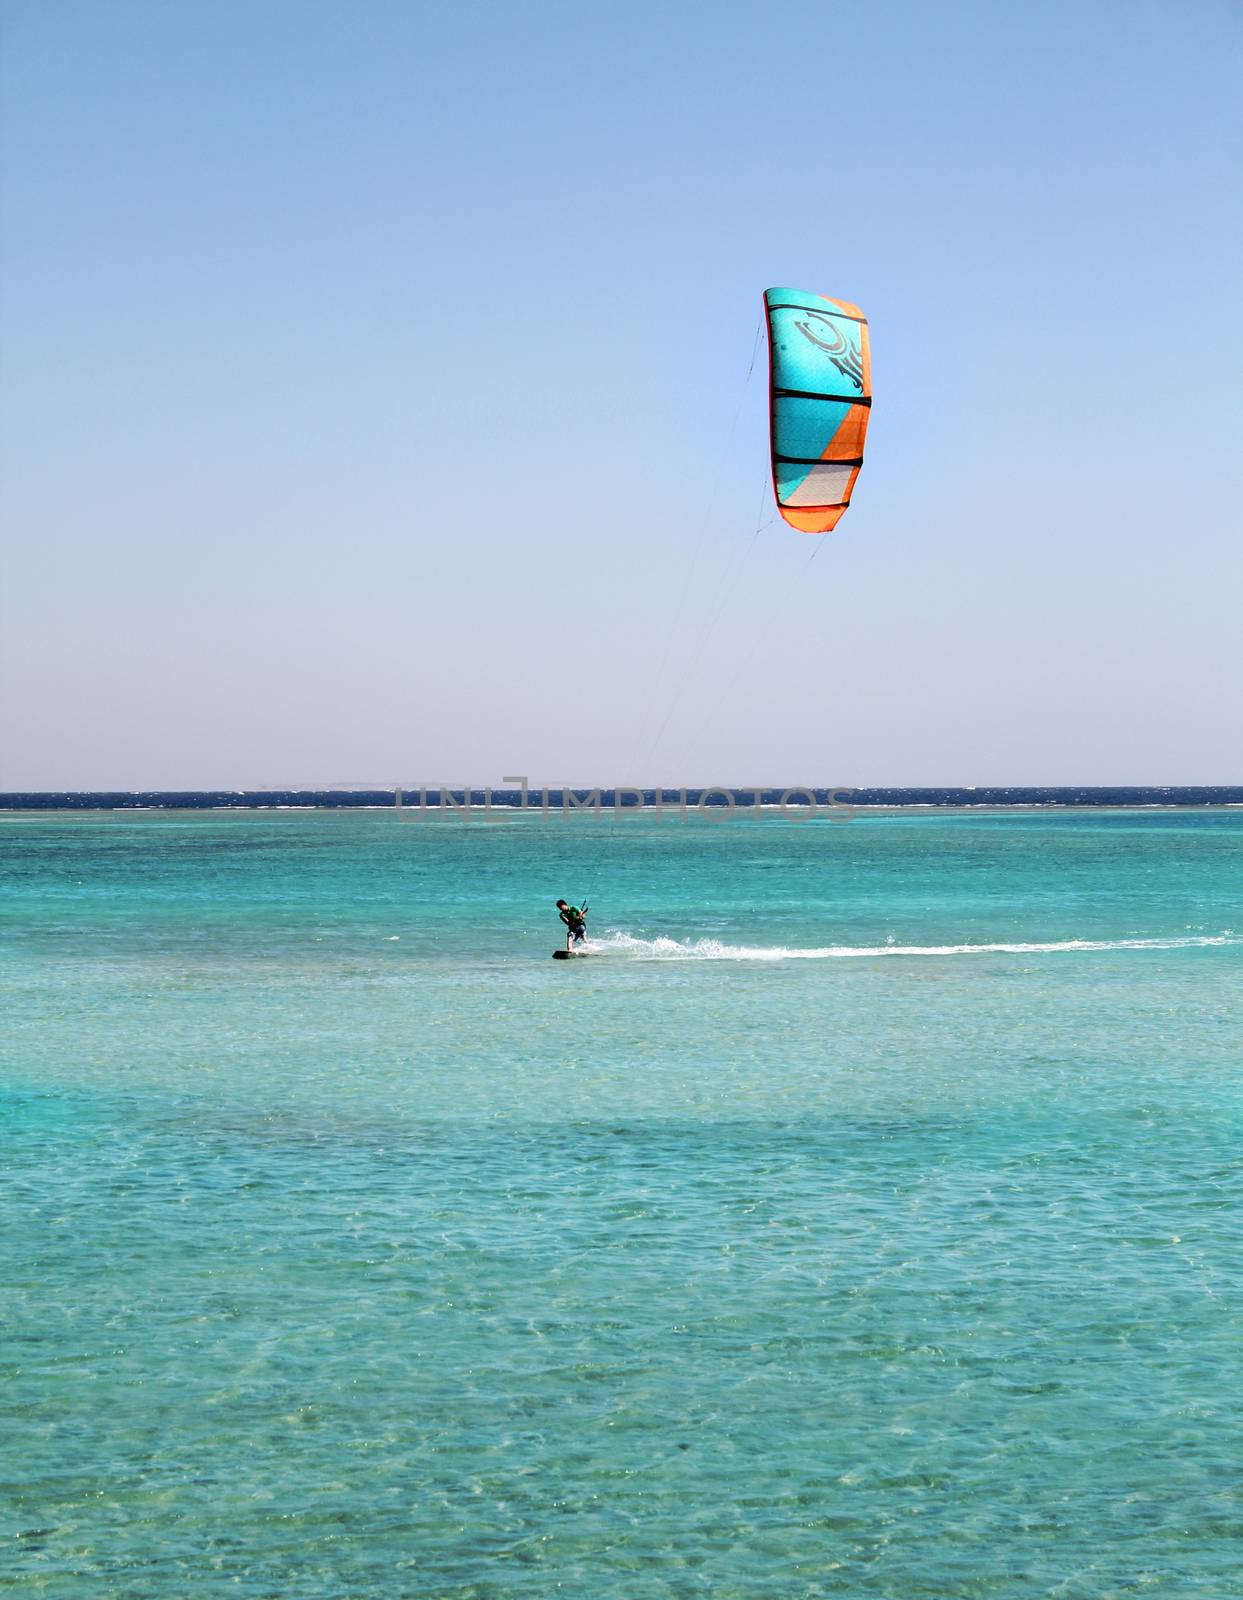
[796, 1244]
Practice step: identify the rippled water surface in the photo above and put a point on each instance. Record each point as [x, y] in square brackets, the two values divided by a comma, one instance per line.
[864, 1217]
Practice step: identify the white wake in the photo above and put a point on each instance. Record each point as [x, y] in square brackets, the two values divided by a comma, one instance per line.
[663, 949]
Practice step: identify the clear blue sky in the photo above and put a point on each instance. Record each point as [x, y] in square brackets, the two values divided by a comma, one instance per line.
[369, 373]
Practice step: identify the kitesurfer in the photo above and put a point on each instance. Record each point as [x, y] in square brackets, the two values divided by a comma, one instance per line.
[575, 922]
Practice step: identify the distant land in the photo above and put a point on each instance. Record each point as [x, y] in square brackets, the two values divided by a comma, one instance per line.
[582, 798]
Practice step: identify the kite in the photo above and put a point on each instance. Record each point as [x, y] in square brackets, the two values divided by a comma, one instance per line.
[820, 397]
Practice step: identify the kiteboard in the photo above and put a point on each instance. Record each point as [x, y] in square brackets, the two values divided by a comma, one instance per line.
[569, 955]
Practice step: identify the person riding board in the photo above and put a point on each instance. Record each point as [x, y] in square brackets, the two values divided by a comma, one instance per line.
[575, 922]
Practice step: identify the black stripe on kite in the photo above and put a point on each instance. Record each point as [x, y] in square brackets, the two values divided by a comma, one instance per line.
[812, 394]
[829, 311]
[815, 461]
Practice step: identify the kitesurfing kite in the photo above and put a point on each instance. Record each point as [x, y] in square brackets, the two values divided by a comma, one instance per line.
[820, 395]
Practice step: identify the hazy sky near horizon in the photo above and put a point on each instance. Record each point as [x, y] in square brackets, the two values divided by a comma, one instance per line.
[376, 406]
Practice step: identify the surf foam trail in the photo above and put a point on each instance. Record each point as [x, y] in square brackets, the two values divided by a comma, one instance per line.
[664, 949]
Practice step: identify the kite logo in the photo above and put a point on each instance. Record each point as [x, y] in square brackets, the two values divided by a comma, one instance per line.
[836, 346]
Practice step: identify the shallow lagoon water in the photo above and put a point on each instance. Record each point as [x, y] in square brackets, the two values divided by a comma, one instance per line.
[801, 1242]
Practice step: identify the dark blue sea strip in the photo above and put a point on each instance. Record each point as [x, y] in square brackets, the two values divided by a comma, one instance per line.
[345, 799]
